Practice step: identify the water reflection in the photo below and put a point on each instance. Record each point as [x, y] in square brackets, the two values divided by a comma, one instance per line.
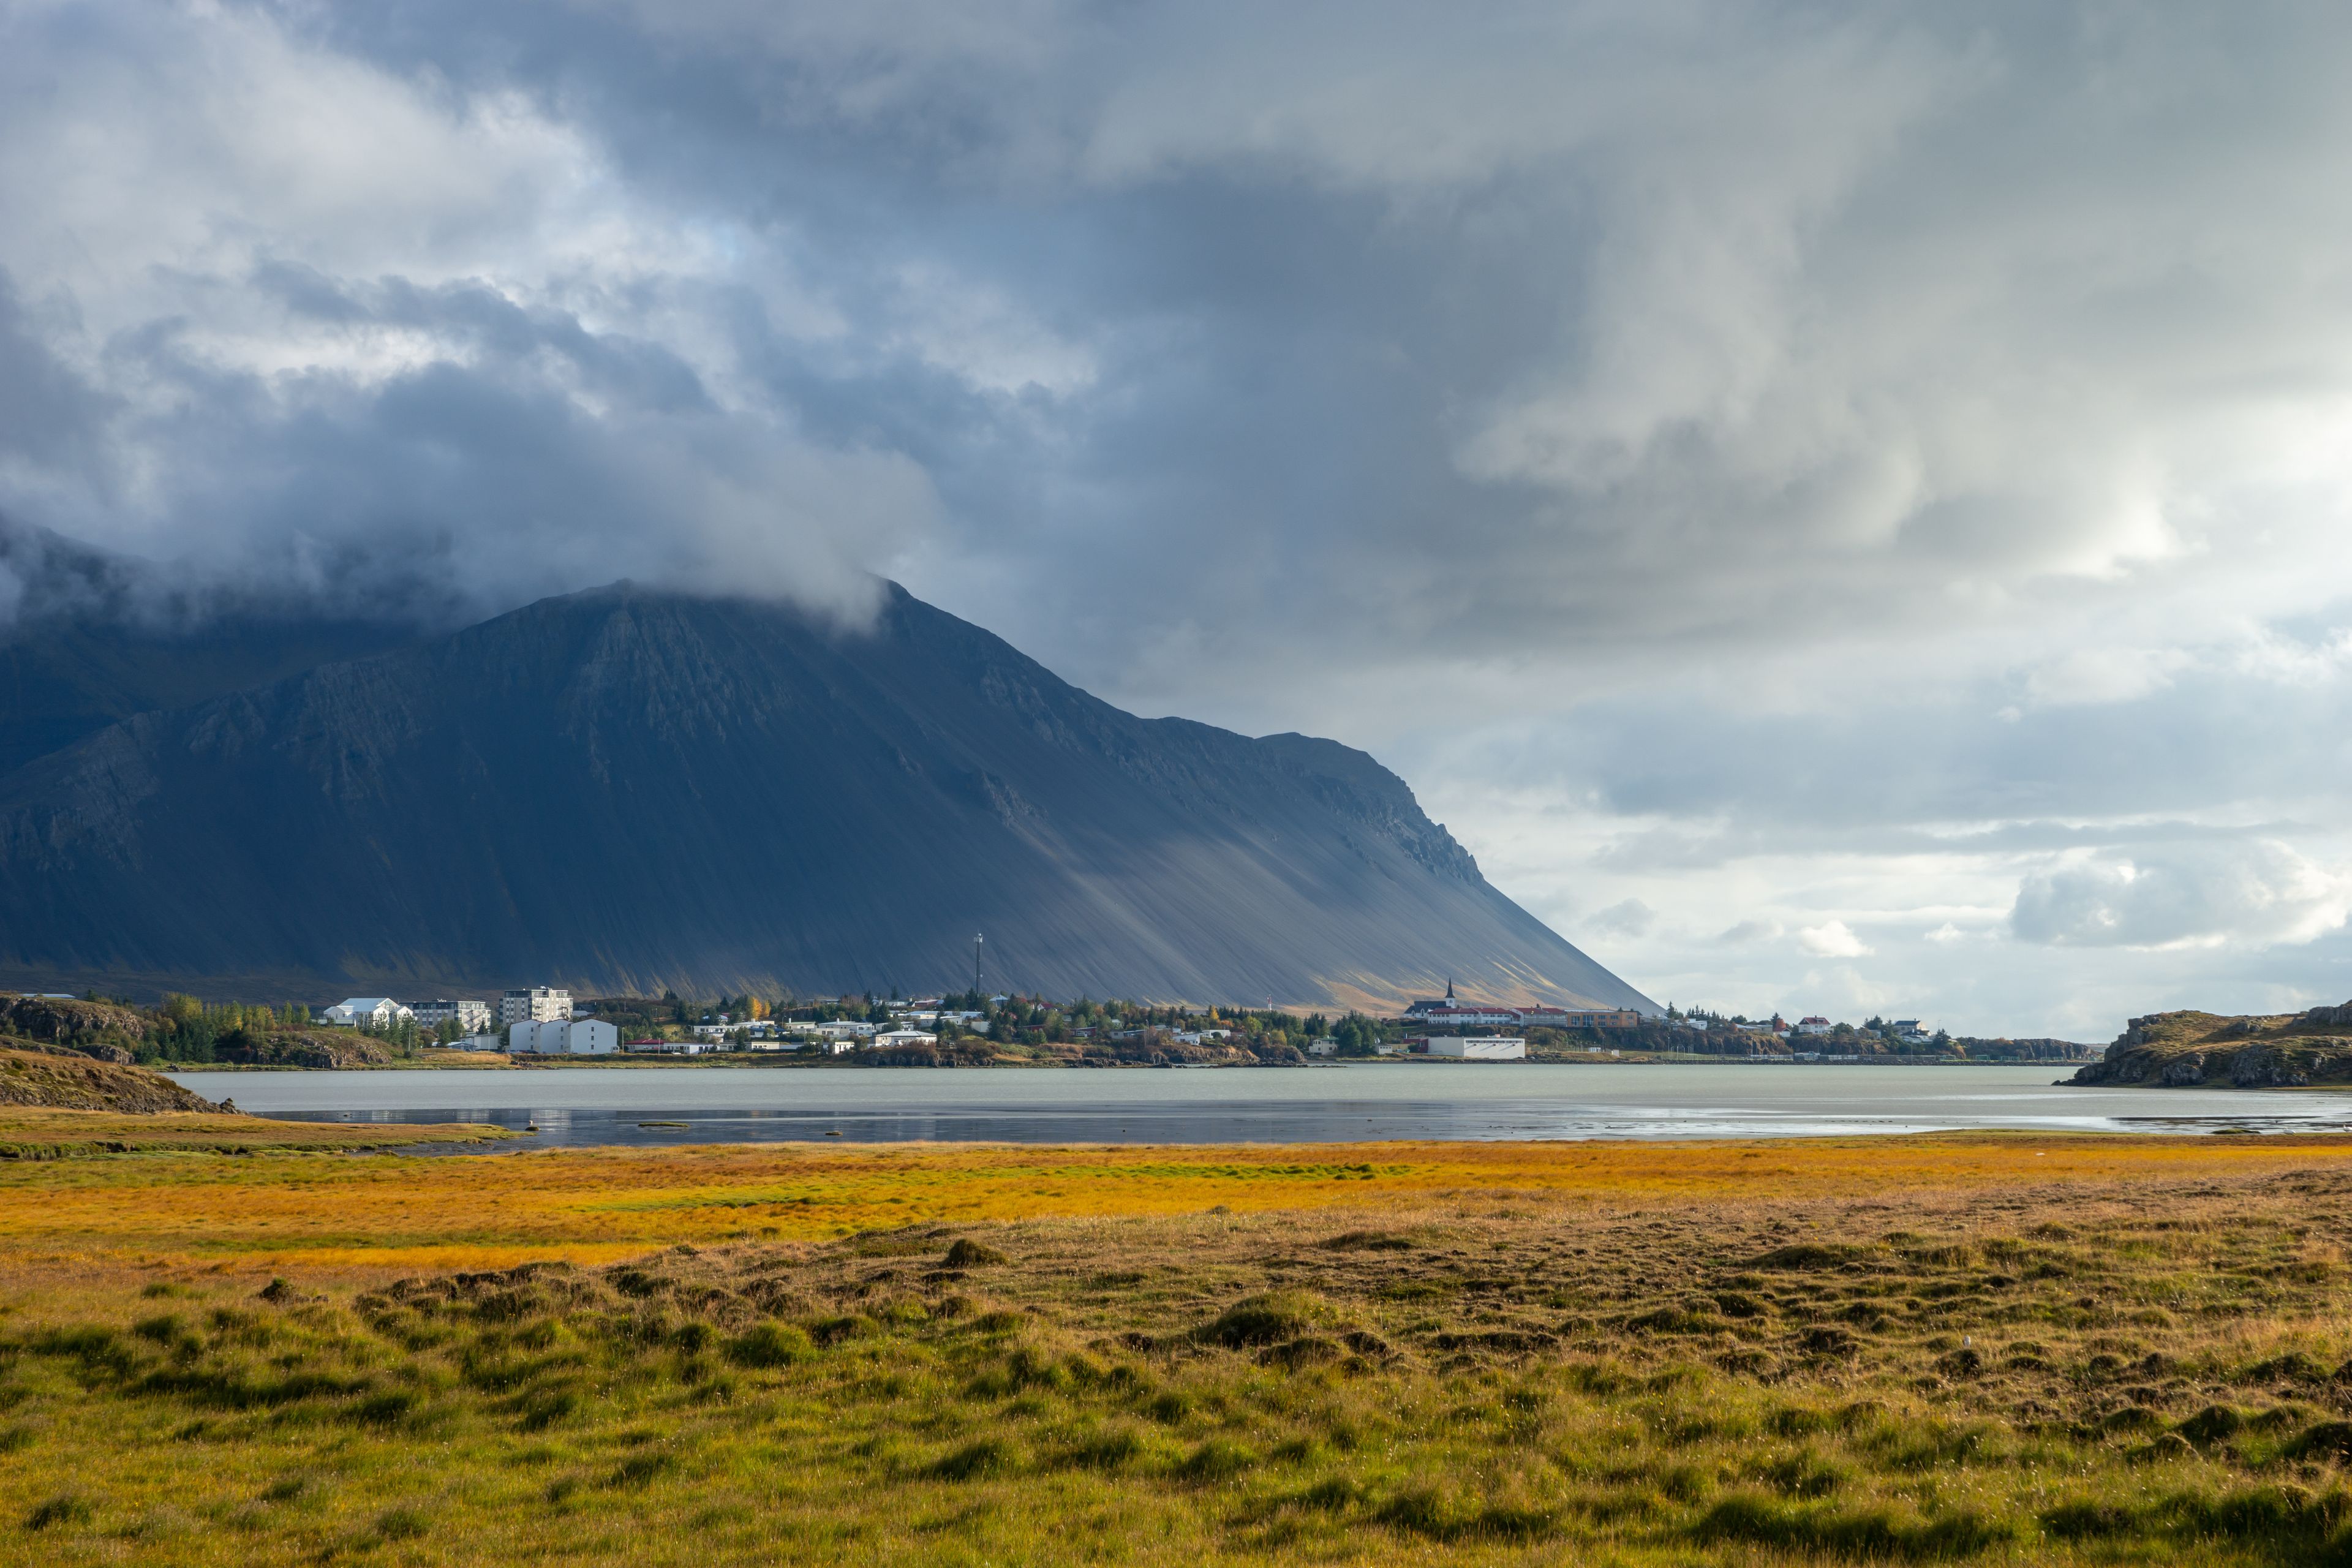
[1339, 1121]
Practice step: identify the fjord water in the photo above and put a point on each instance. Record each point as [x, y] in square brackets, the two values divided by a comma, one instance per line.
[1325, 1103]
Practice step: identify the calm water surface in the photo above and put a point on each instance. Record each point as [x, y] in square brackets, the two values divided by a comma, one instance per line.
[1336, 1103]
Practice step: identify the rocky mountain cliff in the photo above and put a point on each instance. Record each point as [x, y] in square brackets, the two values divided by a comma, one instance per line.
[628, 790]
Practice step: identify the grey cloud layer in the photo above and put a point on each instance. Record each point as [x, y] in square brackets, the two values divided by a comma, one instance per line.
[1777, 469]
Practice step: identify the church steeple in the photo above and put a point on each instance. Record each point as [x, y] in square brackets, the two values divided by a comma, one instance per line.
[1449, 988]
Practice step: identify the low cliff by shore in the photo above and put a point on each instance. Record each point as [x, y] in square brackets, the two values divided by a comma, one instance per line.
[2182, 1050]
[67, 1079]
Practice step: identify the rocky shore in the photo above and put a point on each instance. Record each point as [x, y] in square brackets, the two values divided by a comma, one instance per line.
[2188, 1050]
[68, 1080]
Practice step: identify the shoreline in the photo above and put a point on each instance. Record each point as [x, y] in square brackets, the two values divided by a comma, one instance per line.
[787, 1062]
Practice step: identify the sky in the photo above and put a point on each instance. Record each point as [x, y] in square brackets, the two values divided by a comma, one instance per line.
[1842, 508]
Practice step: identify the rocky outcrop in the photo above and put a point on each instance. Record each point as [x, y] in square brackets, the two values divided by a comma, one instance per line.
[2264, 1067]
[272, 1048]
[2182, 1050]
[73, 1083]
[60, 1021]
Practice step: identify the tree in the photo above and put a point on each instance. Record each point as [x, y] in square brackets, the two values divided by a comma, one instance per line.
[1358, 1036]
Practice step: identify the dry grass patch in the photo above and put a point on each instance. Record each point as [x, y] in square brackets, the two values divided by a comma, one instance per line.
[2143, 1363]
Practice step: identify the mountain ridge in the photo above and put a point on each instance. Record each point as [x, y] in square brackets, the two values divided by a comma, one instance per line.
[629, 789]
[99, 638]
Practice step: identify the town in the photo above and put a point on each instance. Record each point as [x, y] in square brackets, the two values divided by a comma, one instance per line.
[544, 1023]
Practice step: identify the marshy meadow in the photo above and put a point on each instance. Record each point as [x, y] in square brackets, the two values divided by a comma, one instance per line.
[1994, 1349]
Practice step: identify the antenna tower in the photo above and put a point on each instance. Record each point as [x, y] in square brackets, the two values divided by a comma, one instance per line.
[975, 967]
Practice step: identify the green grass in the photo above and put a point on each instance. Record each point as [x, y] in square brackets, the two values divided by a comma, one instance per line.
[2151, 1370]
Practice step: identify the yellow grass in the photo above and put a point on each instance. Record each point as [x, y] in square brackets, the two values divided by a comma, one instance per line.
[347, 1213]
[41, 1131]
[1989, 1348]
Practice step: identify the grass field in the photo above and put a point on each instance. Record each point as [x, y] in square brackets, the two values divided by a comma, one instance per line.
[49, 1132]
[1991, 1349]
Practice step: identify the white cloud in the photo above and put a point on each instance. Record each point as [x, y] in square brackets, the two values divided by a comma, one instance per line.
[343, 318]
[2257, 895]
[1630, 917]
[2093, 675]
[1831, 938]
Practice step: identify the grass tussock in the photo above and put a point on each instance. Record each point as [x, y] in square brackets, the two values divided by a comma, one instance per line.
[2146, 1369]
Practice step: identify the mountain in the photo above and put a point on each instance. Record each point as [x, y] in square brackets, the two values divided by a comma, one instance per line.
[628, 790]
[99, 638]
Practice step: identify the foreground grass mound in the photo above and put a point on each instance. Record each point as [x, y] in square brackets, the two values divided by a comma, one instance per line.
[2157, 1369]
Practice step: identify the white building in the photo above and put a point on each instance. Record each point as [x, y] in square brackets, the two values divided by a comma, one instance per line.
[844, 1029]
[884, 1041]
[473, 1017]
[1477, 1048]
[1326, 1046]
[672, 1048]
[380, 1011]
[563, 1037]
[535, 1004]
[1816, 1025]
